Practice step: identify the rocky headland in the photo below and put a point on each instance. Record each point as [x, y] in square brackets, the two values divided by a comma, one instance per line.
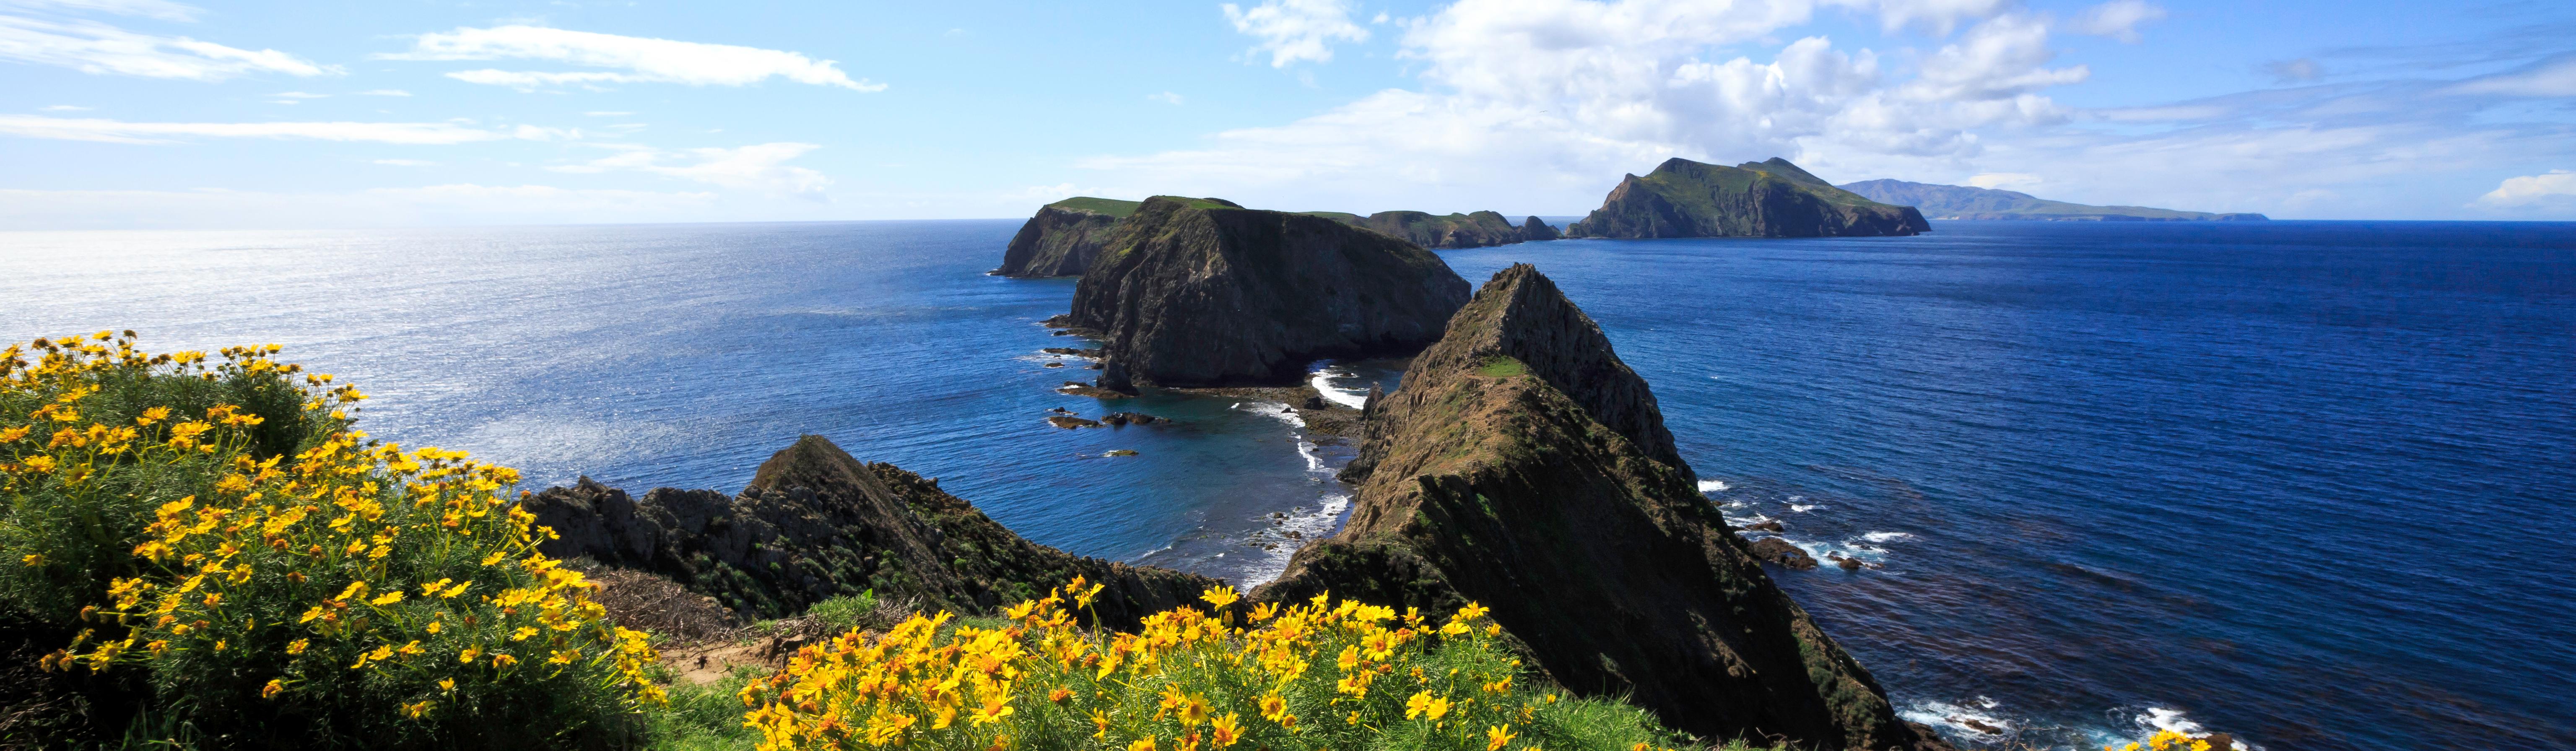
[1683, 198]
[816, 523]
[1481, 229]
[1965, 202]
[1199, 292]
[1523, 466]
[1063, 237]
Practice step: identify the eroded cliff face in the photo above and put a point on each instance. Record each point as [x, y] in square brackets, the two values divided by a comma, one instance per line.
[1057, 242]
[1197, 292]
[1538, 231]
[816, 523]
[1522, 465]
[1477, 230]
[1774, 198]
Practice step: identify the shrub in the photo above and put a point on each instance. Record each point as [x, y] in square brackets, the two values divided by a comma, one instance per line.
[279, 575]
[1321, 675]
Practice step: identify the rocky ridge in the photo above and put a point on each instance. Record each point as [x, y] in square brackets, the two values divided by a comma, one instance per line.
[816, 523]
[1200, 292]
[1522, 465]
[1964, 202]
[1476, 230]
[1683, 198]
[1063, 237]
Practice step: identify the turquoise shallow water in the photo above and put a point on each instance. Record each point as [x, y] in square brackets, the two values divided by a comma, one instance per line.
[2304, 481]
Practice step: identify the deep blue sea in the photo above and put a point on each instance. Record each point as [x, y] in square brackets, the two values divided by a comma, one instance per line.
[2308, 482]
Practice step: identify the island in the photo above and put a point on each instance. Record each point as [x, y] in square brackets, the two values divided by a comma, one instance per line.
[1447, 231]
[1964, 202]
[1683, 198]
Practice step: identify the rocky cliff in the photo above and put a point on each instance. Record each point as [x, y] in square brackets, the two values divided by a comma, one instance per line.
[1200, 292]
[1964, 202]
[1522, 465]
[816, 523]
[1477, 230]
[1538, 231]
[1062, 238]
[1683, 198]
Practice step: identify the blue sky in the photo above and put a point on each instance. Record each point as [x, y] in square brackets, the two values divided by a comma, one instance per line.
[162, 114]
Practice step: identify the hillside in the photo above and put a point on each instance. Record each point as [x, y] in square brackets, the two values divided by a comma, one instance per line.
[1683, 198]
[1442, 231]
[1964, 202]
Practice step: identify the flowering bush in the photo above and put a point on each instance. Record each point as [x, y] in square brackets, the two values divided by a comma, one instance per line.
[225, 529]
[1340, 675]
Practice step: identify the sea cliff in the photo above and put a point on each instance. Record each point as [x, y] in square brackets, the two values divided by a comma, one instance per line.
[1445, 232]
[1062, 238]
[1200, 292]
[1523, 466]
[1683, 198]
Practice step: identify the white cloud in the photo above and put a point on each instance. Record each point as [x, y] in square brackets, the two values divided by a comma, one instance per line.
[760, 167]
[1938, 17]
[2558, 186]
[1166, 98]
[2005, 180]
[98, 48]
[637, 59]
[160, 9]
[427, 205]
[383, 92]
[608, 114]
[64, 108]
[1293, 30]
[113, 131]
[2552, 78]
[299, 95]
[2294, 71]
[405, 162]
[2118, 19]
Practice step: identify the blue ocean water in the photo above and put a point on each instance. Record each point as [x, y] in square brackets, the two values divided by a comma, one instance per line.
[2307, 482]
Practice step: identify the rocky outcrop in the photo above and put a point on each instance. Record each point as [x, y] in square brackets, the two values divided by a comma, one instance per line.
[1201, 292]
[1538, 231]
[816, 523]
[1523, 466]
[1063, 237]
[1683, 198]
[1451, 231]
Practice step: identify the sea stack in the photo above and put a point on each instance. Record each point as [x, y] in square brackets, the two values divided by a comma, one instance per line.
[816, 523]
[1538, 231]
[1774, 198]
[1202, 292]
[1063, 237]
[1524, 466]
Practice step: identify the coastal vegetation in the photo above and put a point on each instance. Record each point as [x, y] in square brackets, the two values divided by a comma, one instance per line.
[1771, 198]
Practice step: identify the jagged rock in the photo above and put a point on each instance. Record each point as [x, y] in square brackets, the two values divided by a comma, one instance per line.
[1078, 388]
[1074, 351]
[1776, 550]
[1538, 231]
[1201, 292]
[1057, 321]
[1130, 418]
[1476, 230]
[1120, 452]
[1315, 402]
[815, 523]
[1052, 365]
[1063, 237]
[1521, 465]
[1683, 198]
[1768, 525]
[1069, 422]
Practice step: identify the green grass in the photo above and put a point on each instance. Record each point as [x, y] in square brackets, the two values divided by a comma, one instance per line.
[1501, 367]
[1110, 206]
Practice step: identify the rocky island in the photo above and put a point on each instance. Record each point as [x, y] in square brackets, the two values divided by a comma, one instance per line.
[1774, 198]
[1061, 239]
[1964, 202]
[1524, 466]
[1202, 292]
[1446, 232]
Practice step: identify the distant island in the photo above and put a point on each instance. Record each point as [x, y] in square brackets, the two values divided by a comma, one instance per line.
[1063, 237]
[1964, 202]
[1773, 198]
[1478, 230]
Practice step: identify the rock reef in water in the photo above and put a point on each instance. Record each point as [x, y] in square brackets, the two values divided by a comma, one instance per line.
[1964, 202]
[817, 523]
[1201, 292]
[1523, 466]
[1063, 237]
[1774, 198]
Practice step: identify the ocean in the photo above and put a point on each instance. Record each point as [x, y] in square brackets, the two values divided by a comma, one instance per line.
[2306, 482]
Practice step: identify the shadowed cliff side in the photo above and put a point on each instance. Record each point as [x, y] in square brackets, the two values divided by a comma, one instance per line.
[1200, 292]
[1448, 232]
[1534, 230]
[816, 523]
[1063, 237]
[1522, 465]
[1774, 198]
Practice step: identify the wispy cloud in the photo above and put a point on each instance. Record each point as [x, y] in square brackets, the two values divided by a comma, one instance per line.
[1166, 98]
[93, 47]
[2555, 77]
[2118, 19]
[633, 59]
[1293, 30]
[114, 131]
[756, 167]
[160, 9]
[607, 113]
[405, 162]
[299, 95]
[383, 92]
[64, 108]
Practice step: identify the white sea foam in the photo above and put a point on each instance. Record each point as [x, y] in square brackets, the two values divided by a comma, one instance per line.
[1886, 536]
[1309, 525]
[1322, 380]
[1801, 508]
[1959, 718]
[1272, 409]
[1711, 486]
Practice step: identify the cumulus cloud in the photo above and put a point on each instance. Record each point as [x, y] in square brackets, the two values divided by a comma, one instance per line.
[761, 167]
[115, 131]
[2118, 19]
[1293, 30]
[2558, 186]
[632, 59]
[92, 47]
